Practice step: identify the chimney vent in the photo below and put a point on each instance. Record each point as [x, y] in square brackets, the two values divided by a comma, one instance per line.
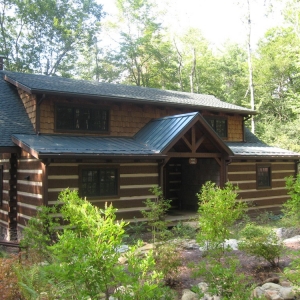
[2, 57]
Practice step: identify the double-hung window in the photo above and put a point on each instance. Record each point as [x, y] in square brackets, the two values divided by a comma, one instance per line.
[99, 182]
[69, 118]
[263, 176]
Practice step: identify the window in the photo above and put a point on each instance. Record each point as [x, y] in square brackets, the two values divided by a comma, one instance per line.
[1, 185]
[263, 176]
[99, 182]
[219, 125]
[81, 118]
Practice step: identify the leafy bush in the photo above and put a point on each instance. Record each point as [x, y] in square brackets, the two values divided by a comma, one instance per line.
[218, 211]
[224, 279]
[41, 232]
[261, 242]
[85, 257]
[168, 261]
[184, 231]
[291, 208]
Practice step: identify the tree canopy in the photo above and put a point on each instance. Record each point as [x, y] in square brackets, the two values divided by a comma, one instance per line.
[65, 37]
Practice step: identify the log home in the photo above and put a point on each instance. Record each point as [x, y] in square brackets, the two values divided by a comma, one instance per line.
[113, 143]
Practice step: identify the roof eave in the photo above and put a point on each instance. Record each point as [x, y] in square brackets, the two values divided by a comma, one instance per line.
[94, 96]
[104, 156]
[266, 156]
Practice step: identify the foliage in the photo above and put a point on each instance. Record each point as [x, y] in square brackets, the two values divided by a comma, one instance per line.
[155, 213]
[292, 272]
[218, 211]
[184, 231]
[85, 257]
[261, 242]
[291, 208]
[143, 279]
[134, 231]
[224, 279]
[168, 261]
[46, 36]
[41, 232]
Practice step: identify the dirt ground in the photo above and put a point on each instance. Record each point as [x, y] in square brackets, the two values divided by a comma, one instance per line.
[258, 269]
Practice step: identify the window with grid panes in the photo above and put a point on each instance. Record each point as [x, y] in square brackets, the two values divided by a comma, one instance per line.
[219, 125]
[263, 176]
[99, 182]
[81, 118]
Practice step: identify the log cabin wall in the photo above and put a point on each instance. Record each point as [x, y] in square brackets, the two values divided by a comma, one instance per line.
[126, 119]
[136, 178]
[5, 164]
[243, 174]
[30, 188]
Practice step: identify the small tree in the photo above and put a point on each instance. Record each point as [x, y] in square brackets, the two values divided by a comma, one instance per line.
[155, 213]
[218, 211]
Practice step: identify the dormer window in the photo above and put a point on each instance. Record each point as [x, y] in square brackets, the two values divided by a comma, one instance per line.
[219, 125]
[70, 118]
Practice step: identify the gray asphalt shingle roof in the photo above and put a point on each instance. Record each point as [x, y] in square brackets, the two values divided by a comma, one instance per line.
[256, 148]
[54, 84]
[13, 117]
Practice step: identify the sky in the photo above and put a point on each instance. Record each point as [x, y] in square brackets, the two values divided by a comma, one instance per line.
[219, 20]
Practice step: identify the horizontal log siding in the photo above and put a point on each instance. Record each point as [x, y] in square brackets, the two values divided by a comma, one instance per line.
[135, 181]
[5, 208]
[29, 102]
[30, 187]
[243, 174]
[126, 119]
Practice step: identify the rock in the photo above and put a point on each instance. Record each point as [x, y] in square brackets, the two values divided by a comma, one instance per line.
[273, 291]
[203, 287]
[144, 249]
[189, 295]
[258, 292]
[272, 279]
[287, 292]
[231, 243]
[295, 239]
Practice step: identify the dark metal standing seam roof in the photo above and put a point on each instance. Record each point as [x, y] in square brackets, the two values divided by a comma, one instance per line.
[42, 84]
[159, 133]
[13, 116]
[44, 145]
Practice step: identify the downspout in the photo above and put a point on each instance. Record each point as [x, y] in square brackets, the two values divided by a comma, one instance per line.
[244, 120]
[38, 114]
[45, 166]
[161, 166]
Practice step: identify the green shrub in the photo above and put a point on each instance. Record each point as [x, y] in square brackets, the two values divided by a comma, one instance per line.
[218, 211]
[224, 279]
[261, 242]
[184, 231]
[41, 232]
[291, 208]
[85, 257]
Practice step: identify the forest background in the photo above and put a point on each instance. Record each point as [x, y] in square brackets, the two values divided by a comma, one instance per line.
[136, 46]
